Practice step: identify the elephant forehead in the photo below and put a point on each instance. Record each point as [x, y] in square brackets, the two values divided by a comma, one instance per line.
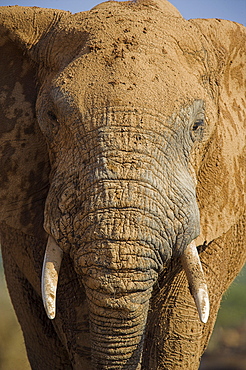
[141, 82]
[136, 57]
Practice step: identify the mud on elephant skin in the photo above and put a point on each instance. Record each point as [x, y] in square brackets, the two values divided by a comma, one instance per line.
[122, 150]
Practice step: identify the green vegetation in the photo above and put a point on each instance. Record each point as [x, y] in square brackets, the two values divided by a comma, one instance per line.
[232, 312]
[226, 349]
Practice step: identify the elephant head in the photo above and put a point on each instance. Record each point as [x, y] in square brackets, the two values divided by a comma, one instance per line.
[123, 148]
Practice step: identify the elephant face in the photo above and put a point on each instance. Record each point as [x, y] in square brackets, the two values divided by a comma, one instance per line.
[120, 149]
[107, 124]
[128, 103]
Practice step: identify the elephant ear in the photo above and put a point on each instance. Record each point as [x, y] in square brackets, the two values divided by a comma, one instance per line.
[222, 176]
[24, 163]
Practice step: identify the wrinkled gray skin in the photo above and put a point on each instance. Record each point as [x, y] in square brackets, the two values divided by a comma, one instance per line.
[105, 135]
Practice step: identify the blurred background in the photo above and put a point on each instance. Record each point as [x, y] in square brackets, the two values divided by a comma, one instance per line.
[227, 347]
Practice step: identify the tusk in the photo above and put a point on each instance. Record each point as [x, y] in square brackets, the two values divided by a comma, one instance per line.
[50, 272]
[193, 268]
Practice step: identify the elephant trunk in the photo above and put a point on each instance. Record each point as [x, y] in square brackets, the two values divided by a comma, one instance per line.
[118, 289]
[117, 335]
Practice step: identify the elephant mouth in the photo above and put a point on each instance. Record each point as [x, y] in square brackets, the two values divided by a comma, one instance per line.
[190, 261]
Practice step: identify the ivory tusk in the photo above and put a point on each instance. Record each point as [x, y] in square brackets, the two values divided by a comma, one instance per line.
[193, 268]
[50, 272]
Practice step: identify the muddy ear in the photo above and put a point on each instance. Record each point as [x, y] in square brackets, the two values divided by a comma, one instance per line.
[222, 176]
[24, 164]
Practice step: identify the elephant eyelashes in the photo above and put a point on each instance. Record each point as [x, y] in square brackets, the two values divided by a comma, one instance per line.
[198, 129]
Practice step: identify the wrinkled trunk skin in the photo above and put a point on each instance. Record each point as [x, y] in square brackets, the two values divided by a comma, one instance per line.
[118, 277]
[117, 337]
[122, 213]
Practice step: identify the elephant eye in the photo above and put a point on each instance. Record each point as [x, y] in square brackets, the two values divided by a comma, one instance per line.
[198, 129]
[52, 115]
[198, 124]
[50, 126]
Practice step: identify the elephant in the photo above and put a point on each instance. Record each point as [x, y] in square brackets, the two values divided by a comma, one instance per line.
[123, 181]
